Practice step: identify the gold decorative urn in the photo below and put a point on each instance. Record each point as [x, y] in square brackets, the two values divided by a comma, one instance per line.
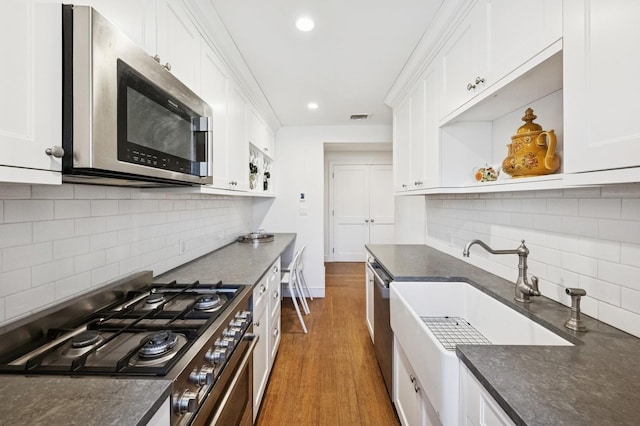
[532, 151]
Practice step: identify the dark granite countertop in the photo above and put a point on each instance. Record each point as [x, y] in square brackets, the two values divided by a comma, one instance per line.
[53, 400]
[236, 263]
[82, 400]
[595, 382]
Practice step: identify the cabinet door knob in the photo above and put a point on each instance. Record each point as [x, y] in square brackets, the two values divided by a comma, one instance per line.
[167, 66]
[372, 220]
[471, 86]
[56, 151]
[479, 80]
[366, 220]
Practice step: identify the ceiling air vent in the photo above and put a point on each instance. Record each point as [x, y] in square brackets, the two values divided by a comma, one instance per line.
[359, 117]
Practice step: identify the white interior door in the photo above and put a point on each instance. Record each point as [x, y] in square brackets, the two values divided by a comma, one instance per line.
[350, 210]
[363, 209]
[381, 207]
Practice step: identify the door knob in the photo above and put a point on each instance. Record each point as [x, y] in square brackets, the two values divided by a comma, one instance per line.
[366, 220]
[372, 220]
[56, 151]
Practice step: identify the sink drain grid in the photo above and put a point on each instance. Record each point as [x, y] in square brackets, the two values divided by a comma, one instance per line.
[452, 331]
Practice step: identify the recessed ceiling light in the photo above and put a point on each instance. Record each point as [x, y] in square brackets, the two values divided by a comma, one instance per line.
[305, 24]
[312, 105]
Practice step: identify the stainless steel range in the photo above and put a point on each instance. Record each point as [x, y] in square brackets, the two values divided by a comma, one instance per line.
[197, 334]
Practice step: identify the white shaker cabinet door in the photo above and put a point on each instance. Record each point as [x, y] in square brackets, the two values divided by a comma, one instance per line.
[179, 42]
[31, 108]
[601, 90]
[213, 88]
[402, 145]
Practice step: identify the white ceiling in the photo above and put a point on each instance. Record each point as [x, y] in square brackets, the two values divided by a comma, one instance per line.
[347, 64]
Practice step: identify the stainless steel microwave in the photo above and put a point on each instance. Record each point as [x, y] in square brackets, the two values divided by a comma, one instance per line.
[126, 119]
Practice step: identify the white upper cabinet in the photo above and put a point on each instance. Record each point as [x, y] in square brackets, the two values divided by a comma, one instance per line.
[238, 148]
[416, 144]
[461, 66]
[31, 111]
[213, 89]
[600, 90]
[517, 30]
[137, 19]
[492, 42]
[179, 42]
[402, 145]
[258, 133]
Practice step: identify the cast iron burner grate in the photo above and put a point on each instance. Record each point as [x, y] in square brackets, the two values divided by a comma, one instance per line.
[452, 331]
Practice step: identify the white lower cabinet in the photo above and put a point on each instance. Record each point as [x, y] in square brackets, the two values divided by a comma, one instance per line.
[266, 327]
[477, 407]
[369, 291]
[410, 399]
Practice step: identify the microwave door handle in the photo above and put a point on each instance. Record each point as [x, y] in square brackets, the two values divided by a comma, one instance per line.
[202, 135]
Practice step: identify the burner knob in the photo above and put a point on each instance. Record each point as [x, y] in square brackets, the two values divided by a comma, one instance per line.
[187, 403]
[234, 332]
[244, 315]
[202, 377]
[216, 356]
[230, 343]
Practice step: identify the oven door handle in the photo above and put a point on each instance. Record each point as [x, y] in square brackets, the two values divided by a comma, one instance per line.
[236, 377]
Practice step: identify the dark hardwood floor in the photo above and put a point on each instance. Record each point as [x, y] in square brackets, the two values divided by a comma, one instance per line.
[329, 376]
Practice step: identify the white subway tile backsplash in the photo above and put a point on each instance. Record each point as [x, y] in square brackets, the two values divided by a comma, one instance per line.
[75, 284]
[578, 237]
[620, 318]
[15, 234]
[20, 303]
[117, 193]
[51, 230]
[15, 192]
[619, 230]
[90, 226]
[630, 300]
[604, 208]
[27, 210]
[581, 264]
[545, 222]
[581, 226]
[89, 192]
[70, 247]
[89, 261]
[59, 241]
[104, 240]
[104, 207]
[15, 281]
[599, 249]
[631, 209]
[631, 190]
[601, 290]
[65, 209]
[25, 256]
[52, 192]
[624, 275]
[52, 271]
[563, 206]
[104, 274]
[630, 254]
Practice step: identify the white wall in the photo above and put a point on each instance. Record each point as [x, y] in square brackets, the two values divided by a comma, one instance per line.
[60, 241]
[587, 237]
[300, 169]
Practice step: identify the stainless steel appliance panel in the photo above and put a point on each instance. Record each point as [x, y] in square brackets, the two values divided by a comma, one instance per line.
[383, 342]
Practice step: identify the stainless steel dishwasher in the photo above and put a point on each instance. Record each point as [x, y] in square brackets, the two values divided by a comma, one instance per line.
[383, 336]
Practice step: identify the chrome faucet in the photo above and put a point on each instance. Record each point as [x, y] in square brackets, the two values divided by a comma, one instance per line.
[524, 290]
